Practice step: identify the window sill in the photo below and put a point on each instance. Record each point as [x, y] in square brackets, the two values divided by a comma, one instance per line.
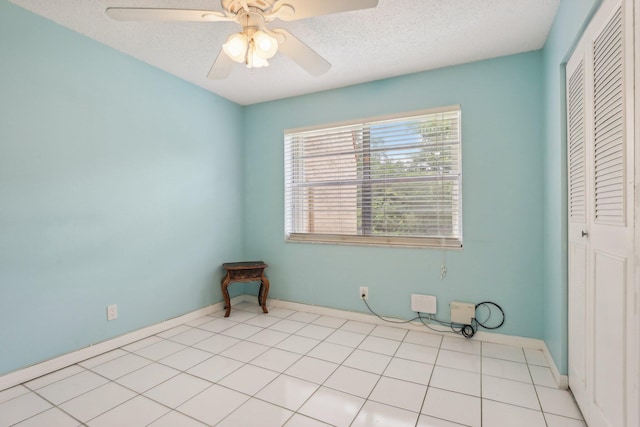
[407, 242]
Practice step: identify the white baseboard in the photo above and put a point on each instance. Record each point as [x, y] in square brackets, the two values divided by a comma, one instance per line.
[34, 371]
[414, 326]
[31, 372]
[561, 380]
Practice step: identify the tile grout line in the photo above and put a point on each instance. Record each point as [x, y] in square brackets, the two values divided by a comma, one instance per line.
[136, 393]
[247, 363]
[424, 400]
[535, 389]
[278, 374]
[293, 413]
[481, 384]
[187, 373]
[114, 381]
[369, 334]
[353, 349]
[53, 406]
[379, 377]
[75, 397]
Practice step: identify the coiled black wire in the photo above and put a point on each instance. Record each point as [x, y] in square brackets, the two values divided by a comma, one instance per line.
[487, 304]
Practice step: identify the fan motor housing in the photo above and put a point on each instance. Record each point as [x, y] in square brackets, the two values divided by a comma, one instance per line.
[235, 6]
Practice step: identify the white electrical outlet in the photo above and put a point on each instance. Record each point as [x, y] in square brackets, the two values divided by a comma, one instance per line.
[424, 303]
[112, 312]
[364, 292]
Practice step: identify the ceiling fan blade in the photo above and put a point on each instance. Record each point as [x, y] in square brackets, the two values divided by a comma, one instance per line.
[309, 8]
[222, 67]
[165, 15]
[301, 54]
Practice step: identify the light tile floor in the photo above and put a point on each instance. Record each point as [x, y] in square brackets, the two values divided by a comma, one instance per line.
[298, 370]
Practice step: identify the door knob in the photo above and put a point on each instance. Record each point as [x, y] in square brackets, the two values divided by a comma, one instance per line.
[584, 233]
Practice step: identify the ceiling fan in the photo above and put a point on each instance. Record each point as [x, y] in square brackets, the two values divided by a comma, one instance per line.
[256, 43]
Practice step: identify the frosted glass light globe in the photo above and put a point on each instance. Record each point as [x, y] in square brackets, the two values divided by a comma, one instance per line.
[236, 47]
[266, 46]
[256, 61]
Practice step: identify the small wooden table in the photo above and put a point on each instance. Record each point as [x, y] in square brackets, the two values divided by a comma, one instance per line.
[251, 271]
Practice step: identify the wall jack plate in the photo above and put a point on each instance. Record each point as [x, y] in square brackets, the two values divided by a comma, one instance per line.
[424, 303]
[462, 312]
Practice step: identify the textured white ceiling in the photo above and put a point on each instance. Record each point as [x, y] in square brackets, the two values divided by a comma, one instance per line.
[398, 37]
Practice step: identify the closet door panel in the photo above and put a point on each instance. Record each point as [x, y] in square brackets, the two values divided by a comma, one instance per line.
[608, 136]
[577, 226]
[609, 339]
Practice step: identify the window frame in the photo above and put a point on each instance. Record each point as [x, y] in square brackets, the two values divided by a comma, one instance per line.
[453, 243]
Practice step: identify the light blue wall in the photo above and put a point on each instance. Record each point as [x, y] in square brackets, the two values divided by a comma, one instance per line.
[501, 102]
[568, 25]
[119, 184]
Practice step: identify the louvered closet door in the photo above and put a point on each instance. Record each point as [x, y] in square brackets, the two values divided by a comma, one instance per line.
[577, 224]
[600, 139]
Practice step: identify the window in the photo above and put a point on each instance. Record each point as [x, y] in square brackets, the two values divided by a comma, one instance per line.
[393, 181]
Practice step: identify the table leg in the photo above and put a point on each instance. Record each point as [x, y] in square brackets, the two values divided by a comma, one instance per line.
[225, 293]
[264, 291]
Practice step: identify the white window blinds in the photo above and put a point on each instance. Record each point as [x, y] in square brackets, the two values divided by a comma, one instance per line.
[385, 181]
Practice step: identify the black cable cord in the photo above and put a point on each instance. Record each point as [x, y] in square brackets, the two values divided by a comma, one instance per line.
[387, 320]
[466, 331]
[422, 320]
[487, 304]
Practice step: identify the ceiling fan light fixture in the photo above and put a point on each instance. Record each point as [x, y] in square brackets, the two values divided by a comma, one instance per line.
[254, 60]
[265, 45]
[256, 43]
[236, 47]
